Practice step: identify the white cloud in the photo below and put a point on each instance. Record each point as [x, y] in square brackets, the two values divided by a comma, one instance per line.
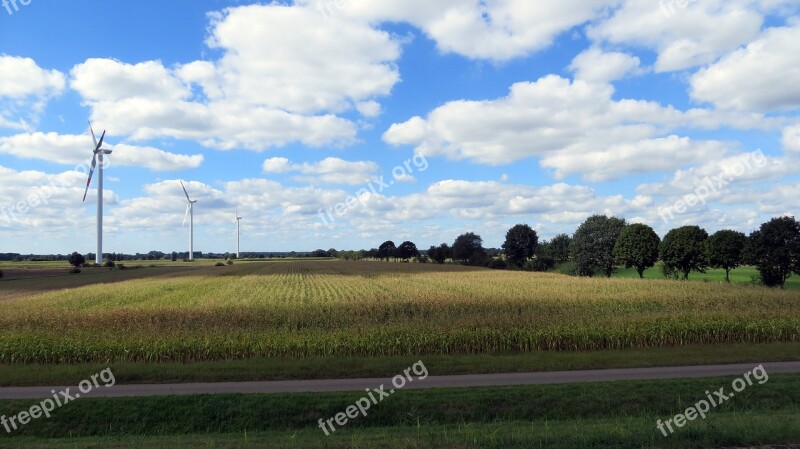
[494, 30]
[285, 75]
[77, 150]
[763, 76]
[683, 36]
[791, 139]
[575, 127]
[596, 65]
[25, 89]
[330, 170]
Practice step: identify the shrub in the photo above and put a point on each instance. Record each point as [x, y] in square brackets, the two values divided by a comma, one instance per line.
[109, 264]
[219, 264]
[74, 270]
[121, 266]
[230, 262]
[540, 264]
[497, 264]
[569, 268]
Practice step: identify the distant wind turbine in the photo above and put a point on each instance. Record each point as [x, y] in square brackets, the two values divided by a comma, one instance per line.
[190, 213]
[97, 156]
[238, 229]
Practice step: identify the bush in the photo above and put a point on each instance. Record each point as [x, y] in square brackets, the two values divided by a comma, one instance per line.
[121, 266]
[109, 264]
[74, 270]
[569, 268]
[230, 262]
[497, 264]
[540, 264]
[219, 264]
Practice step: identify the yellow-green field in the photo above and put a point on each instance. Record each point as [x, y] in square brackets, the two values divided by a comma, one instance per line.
[337, 308]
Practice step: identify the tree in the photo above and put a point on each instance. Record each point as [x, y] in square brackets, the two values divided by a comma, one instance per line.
[76, 259]
[559, 248]
[725, 249]
[174, 256]
[468, 249]
[387, 250]
[637, 247]
[407, 250]
[440, 253]
[776, 250]
[520, 244]
[683, 250]
[592, 247]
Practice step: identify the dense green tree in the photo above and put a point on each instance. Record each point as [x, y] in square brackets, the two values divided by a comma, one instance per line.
[468, 249]
[440, 253]
[76, 259]
[775, 250]
[637, 247]
[683, 251]
[407, 250]
[560, 248]
[725, 249]
[520, 244]
[592, 247]
[387, 250]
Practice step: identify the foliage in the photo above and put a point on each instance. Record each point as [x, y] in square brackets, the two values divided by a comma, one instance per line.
[592, 247]
[541, 263]
[559, 246]
[76, 259]
[468, 249]
[775, 250]
[637, 247]
[387, 250]
[497, 264]
[520, 244]
[683, 251]
[725, 250]
[439, 254]
[407, 250]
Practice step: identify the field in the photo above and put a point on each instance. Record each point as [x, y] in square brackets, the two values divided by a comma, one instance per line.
[260, 320]
[365, 309]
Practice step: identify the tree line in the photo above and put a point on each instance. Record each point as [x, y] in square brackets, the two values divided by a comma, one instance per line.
[602, 243]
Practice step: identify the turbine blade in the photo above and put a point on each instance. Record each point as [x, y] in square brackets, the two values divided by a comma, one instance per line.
[91, 172]
[93, 137]
[185, 216]
[100, 144]
[185, 192]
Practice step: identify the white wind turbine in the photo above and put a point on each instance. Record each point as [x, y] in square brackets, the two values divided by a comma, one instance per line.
[238, 228]
[97, 156]
[190, 213]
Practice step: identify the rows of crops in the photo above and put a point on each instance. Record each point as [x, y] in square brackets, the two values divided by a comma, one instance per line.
[369, 308]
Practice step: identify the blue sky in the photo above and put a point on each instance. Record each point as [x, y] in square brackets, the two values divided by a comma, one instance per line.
[490, 114]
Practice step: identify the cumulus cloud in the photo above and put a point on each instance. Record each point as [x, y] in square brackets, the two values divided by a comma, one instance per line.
[25, 89]
[330, 170]
[763, 76]
[285, 75]
[596, 65]
[77, 149]
[575, 127]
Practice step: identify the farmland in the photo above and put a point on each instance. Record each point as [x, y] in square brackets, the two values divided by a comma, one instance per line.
[371, 309]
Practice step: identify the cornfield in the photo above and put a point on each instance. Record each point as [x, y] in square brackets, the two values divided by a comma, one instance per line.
[304, 309]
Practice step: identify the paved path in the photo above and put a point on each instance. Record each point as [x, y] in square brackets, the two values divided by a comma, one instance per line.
[472, 380]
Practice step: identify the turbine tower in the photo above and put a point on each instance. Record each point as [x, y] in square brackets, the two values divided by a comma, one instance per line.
[238, 228]
[190, 213]
[97, 156]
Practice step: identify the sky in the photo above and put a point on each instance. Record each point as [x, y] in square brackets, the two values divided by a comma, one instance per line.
[345, 123]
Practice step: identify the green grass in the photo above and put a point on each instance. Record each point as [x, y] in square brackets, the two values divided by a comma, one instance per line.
[739, 276]
[615, 414]
[355, 367]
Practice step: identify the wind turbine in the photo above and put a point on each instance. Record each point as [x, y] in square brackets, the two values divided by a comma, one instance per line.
[98, 154]
[238, 229]
[190, 213]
